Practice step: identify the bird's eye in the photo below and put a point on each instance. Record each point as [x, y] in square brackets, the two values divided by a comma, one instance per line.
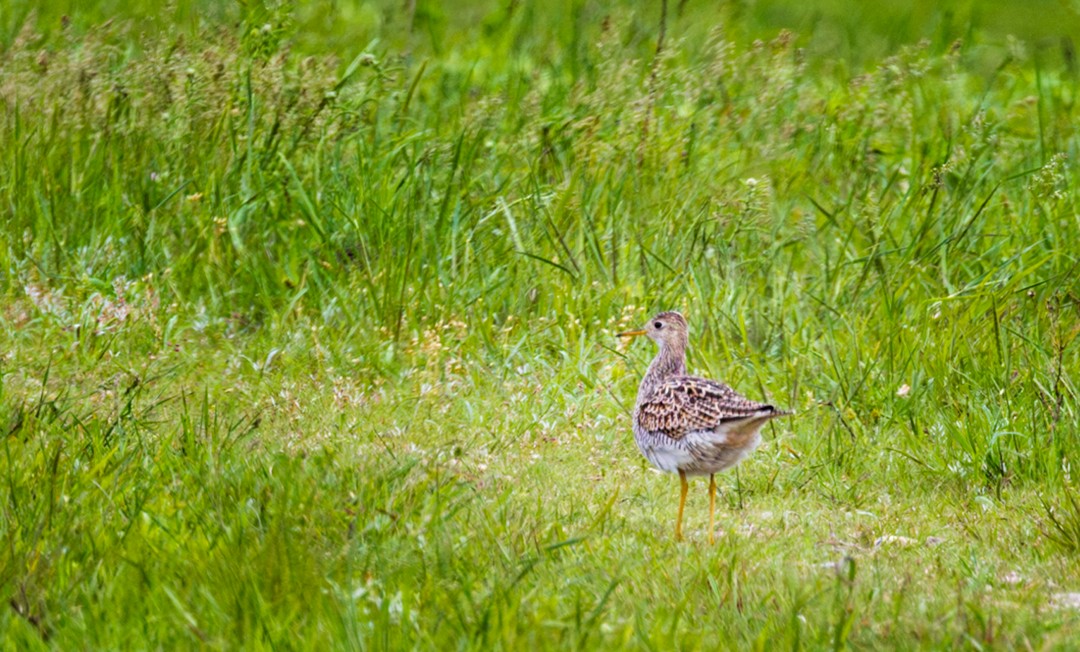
[658, 325]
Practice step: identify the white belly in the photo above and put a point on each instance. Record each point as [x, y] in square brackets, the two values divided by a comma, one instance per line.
[667, 458]
[701, 452]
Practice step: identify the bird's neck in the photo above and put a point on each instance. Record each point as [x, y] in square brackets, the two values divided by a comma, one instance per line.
[669, 362]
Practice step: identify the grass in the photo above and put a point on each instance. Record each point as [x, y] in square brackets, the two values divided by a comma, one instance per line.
[307, 333]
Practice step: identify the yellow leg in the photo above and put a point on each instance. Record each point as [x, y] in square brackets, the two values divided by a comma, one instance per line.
[712, 505]
[682, 503]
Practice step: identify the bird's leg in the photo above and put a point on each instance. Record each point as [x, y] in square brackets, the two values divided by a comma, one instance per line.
[682, 502]
[712, 504]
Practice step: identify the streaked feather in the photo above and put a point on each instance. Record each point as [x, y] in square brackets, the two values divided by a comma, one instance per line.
[685, 404]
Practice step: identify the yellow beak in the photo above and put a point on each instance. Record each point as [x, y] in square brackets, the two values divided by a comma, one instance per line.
[631, 333]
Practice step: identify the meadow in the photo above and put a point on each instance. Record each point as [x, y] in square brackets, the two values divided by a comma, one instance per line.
[307, 329]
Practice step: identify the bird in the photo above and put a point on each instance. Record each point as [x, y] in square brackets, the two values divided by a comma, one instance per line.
[689, 425]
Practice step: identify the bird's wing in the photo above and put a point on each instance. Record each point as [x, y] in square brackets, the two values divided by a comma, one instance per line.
[685, 404]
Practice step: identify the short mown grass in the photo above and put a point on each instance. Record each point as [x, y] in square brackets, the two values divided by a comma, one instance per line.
[307, 333]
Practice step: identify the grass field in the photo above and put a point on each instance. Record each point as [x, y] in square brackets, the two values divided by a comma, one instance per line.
[308, 314]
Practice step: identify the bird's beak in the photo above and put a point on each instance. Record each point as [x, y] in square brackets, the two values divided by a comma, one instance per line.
[631, 333]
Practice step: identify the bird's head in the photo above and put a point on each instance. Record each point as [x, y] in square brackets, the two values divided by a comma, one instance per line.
[667, 328]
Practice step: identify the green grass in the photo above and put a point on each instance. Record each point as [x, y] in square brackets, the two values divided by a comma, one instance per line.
[307, 331]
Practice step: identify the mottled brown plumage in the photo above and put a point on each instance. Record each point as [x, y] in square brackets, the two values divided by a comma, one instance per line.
[689, 425]
[685, 404]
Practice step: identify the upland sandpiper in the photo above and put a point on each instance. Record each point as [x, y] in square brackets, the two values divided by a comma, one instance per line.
[689, 425]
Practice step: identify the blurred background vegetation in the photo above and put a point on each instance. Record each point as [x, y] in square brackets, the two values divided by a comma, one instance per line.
[849, 30]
